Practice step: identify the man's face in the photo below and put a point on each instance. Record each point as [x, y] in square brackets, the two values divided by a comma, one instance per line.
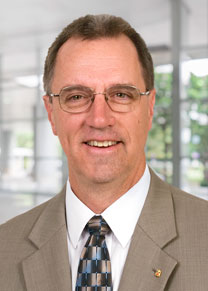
[99, 64]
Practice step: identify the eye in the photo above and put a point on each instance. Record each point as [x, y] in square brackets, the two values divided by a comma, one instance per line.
[74, 97]
[122, 95]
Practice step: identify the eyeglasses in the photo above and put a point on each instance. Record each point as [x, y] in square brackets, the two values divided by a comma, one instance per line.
[120, 98]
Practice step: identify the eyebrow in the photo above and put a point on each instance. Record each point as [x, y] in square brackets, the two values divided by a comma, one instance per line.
[111, 85]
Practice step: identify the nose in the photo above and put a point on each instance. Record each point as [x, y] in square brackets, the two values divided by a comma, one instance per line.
[100, 115]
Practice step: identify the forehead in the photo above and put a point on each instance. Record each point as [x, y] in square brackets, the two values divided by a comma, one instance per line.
[75, 42]
[97, 59]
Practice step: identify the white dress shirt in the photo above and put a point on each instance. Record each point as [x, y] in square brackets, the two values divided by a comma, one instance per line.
[121, 216]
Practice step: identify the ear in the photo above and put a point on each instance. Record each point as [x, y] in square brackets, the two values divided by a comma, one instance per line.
[49, 107]
[151, 106]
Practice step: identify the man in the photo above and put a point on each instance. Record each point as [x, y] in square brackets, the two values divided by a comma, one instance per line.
[144, 234]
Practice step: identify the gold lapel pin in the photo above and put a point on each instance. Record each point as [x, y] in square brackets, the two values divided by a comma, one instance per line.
[157, 273]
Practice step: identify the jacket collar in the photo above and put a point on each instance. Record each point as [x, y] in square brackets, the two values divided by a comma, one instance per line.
[158, 218]
[50, 221]
[47, 269]
[154, 230]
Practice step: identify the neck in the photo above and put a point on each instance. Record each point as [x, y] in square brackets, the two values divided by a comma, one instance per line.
[99, 196]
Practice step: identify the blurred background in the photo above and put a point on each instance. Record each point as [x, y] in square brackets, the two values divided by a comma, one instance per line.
[32, 165]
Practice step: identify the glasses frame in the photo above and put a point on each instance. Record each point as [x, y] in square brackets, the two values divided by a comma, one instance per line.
[146, 93]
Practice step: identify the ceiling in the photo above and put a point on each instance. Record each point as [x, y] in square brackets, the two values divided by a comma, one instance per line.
[29, 25]
[36, 20]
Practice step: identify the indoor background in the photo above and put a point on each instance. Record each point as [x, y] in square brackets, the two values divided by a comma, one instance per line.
[32, 165]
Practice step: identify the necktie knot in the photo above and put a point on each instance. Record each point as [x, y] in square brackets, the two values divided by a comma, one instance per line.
[98, 226]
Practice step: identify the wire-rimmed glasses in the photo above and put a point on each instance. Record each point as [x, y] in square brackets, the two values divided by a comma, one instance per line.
[77, 99]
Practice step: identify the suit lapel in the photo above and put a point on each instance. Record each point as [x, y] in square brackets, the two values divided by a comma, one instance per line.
[48, 268]
[154, 230]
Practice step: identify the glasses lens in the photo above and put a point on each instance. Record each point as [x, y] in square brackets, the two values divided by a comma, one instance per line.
[75, 98]
[122, 98]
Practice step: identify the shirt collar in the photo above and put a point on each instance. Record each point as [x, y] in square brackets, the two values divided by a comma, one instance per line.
[121, 216]
[124, 213]
[77, 215]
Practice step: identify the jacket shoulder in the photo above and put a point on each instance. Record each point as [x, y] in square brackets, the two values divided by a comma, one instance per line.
[189, 203]
[181, 200]
[16, 244]
[19, 226]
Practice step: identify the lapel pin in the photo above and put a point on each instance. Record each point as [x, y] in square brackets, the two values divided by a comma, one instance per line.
[157, 273]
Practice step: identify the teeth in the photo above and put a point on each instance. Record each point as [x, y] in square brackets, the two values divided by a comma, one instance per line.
[101, 143]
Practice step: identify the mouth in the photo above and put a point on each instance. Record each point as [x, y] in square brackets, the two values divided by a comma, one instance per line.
[102, 144]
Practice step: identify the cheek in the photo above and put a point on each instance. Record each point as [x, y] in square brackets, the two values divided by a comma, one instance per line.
[141, 128]
[61, 128]
[68, 131]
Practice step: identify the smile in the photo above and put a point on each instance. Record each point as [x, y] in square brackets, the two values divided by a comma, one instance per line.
[101, 144]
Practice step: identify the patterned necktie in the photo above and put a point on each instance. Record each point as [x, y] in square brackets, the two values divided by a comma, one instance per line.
[94, 271]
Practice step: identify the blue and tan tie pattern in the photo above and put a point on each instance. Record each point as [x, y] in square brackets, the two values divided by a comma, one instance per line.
[94, 270]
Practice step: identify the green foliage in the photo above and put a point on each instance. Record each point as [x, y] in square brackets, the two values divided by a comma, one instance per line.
[197, 88]
[197, 106]
[24, 140]
[159, 141]
[159, 146]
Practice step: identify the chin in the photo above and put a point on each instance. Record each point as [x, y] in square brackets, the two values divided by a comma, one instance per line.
[102, 178]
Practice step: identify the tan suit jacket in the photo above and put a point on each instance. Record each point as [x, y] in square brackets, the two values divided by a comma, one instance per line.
[171, 235]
